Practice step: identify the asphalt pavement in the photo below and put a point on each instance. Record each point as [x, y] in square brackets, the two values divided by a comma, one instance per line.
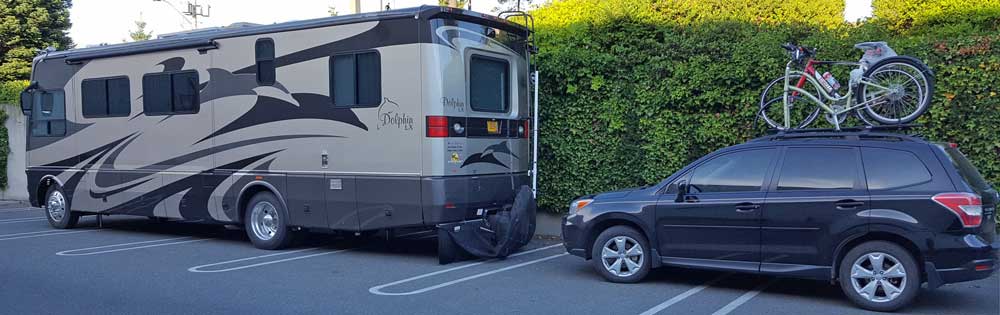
[134, 265]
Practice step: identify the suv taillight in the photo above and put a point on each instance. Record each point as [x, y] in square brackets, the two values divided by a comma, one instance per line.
[968, 207]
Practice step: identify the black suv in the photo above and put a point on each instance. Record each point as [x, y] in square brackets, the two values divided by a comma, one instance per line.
[880, 213]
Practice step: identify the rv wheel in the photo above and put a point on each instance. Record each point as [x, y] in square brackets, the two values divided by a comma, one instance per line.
[266, 222]
[57, 209]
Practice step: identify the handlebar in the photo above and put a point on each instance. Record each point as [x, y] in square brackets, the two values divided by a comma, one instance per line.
[799, 52]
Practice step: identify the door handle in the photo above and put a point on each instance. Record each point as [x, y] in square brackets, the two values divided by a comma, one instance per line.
[849, 204]
[747, 207]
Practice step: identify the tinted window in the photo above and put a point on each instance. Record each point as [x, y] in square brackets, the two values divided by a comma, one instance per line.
[264, 54]
[48, 117]
[156, 98]
[119, 97]
[95, 98]
[818, 168]
[170, 93]
[355, 79]
[733, 172]
[489, 84]
[106, 98]
[185, 88]
[888, 169]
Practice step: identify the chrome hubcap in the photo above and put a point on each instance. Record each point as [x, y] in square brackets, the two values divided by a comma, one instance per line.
[56, 206]
[622, 256]
[264, 220]
[878, 277]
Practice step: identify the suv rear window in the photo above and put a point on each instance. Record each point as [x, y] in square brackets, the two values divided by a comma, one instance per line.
[965, 168]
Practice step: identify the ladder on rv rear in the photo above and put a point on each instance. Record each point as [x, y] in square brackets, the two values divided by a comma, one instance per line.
[530, 48]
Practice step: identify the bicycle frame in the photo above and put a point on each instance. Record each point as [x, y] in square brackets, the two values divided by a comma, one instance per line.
[809, 75]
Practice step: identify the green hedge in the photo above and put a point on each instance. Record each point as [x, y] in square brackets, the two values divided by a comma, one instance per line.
[633, 90]
[9, 100]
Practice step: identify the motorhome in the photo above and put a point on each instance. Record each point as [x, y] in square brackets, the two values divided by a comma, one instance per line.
[401, 118]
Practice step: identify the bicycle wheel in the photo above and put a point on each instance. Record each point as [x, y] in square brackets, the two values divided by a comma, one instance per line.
[909, 85]
[802, 111]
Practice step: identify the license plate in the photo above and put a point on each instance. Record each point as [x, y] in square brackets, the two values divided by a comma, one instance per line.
[493, 126]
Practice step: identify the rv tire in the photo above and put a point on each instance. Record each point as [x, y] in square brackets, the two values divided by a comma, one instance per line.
[266, 222]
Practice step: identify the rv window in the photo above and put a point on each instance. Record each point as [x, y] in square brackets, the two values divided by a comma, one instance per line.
[170, 93]
[106, 98]
[264, 51]
[489, 84]
[48, 118]
[355, 79]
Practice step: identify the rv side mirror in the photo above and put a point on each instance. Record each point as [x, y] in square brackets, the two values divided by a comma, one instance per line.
[682, 191]
[26, 104]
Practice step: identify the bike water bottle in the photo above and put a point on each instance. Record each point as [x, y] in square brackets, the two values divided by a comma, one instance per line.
[832, 84]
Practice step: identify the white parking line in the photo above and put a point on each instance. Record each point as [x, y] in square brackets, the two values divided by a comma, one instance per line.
[162, 242]
[744, 298]
[19, 220]
[377, 290]
[15, 236]
[682, 296]
[198, 269]
[20, 210]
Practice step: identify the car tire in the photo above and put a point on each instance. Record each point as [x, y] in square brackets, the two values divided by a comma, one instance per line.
[266, 222]
[874, 287]
[621, 264]
[57, 209]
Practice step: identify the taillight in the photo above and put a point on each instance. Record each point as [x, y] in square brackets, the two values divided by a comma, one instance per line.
[527, 129]
[437, 126]
[968, 207]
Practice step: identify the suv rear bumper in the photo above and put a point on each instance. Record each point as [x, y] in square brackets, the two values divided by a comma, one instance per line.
[980, 262]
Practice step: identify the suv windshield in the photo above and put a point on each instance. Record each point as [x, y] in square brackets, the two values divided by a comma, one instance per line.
[969, 172]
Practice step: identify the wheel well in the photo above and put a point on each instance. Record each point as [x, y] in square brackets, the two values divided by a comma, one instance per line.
[43, 188]
[881, 236]
[248, 193]
[606, 224]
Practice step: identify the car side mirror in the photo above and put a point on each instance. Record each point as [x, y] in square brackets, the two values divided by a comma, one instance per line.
[26, 102]
[682, 191]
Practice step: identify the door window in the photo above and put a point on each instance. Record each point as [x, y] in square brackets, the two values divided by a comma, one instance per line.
[818, 168]
[48, 115]
[734, 172]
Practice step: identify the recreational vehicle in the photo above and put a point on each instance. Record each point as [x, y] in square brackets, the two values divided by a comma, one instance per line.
[403, 118]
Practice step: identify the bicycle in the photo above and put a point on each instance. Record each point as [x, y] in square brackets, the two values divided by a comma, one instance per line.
[885, 87]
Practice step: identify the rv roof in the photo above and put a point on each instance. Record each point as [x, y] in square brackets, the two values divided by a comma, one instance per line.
[206, 37]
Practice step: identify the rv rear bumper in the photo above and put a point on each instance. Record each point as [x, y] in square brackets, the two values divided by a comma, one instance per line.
[458, 198]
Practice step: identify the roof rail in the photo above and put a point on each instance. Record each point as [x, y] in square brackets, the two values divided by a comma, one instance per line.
[901, 128]
[858, 133]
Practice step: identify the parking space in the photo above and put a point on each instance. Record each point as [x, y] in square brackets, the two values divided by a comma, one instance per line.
[134, 265]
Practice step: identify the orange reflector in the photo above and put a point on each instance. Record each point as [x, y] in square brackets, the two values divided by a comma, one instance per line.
[258, 177]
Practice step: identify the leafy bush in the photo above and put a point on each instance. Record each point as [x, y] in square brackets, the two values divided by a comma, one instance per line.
[633, 90]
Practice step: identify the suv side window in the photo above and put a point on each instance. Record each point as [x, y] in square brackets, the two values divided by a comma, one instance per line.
[733, 172]
[893, 169]
[819, 168]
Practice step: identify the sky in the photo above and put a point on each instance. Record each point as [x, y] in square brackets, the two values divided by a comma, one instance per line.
[109, 21]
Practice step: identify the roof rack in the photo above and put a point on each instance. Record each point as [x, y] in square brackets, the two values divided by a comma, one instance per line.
[854, 133]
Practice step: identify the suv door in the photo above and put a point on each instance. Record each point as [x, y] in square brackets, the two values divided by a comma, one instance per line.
[719, 218]
[816, 197]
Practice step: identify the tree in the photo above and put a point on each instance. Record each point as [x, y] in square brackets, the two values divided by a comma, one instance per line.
[461, 4]
[512, 5]
[140, 33]
[332, 11]
[27, 26]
